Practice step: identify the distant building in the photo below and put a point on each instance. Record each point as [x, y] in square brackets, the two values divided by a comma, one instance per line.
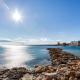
[65, 44]
[62, 44]
[58, 43]
[75, 43]
[78, 43]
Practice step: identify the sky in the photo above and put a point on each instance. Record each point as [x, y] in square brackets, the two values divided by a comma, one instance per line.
[43, 20]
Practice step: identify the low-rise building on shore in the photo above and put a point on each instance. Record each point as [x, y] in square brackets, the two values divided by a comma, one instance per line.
[72, 43]
[75, 43]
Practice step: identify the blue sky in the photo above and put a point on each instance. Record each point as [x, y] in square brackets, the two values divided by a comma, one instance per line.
[55, 20]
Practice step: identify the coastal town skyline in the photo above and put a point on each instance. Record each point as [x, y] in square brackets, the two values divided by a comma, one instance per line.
[40, 20]
[39, 42]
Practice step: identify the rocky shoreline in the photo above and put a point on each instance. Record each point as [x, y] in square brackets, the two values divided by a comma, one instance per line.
[64, 66]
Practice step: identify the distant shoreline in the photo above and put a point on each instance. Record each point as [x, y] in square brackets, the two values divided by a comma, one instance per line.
[48, 45]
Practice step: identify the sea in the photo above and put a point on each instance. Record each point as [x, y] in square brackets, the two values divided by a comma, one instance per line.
[29, 55]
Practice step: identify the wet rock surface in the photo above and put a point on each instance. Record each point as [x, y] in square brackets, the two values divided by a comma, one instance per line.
[12, 74]
[64, 66]
[58, 56]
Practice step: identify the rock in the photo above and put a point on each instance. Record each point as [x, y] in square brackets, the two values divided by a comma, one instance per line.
[2, 71]
[39, 69]
[28, 77]
[58, 56]
[17, 73]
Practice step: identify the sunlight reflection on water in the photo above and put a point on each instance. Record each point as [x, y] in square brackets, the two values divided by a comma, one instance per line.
[16, 56]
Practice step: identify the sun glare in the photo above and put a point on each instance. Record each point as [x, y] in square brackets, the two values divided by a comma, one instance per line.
[16, 16]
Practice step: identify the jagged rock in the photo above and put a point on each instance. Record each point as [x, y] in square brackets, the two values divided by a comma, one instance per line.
[39, 69]
[28, 77]
[12, 74]
[17, 73]
[58, 56]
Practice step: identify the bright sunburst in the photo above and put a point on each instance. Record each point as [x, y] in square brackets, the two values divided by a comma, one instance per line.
[16, 16]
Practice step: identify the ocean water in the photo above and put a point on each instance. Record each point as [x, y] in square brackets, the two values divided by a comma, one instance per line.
[29, 56]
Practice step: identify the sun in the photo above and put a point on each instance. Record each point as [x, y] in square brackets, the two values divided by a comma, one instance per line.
[16, 16]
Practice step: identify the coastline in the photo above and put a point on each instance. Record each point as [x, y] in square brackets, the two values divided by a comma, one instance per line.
[64, 66]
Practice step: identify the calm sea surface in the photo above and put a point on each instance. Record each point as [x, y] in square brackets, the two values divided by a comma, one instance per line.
[18, 55]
